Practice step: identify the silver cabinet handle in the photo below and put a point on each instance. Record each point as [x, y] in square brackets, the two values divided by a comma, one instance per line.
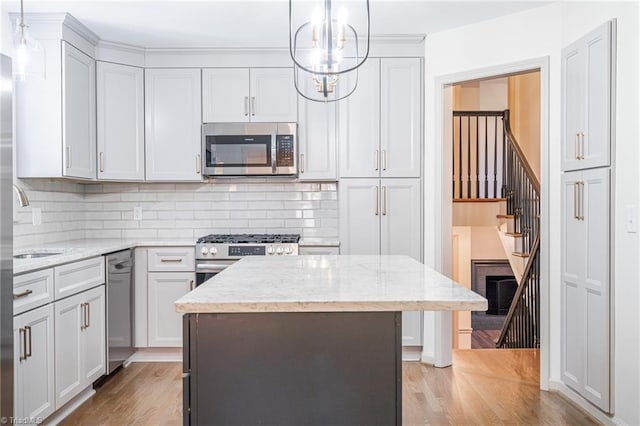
[191, 284]
[377, 201]
[246, 106]
[581, 200]
[198, 163]
[301, 163]
[23, 344]
[581, 152]
[170, 260]
[377, 160]
[83, 321]
[27, 330]
[23, 294]
[253, 105]
[384, 159]
[384, 201]
[68, 157]
[101, 162]
[88, 315]
[576, 147]
[575, 199]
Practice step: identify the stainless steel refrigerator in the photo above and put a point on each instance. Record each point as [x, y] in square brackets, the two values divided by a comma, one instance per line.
[6, 240]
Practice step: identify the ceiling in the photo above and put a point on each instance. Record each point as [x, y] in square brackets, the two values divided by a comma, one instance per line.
[264, 23]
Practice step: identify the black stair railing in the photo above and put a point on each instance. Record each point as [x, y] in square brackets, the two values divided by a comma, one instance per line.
[488, 163]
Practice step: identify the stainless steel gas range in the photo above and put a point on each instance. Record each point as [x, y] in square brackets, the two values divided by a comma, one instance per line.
[215, 252]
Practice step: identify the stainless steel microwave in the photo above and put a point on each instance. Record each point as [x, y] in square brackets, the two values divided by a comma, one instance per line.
[249, 149]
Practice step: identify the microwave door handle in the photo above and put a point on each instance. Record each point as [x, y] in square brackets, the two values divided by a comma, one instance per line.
[274, 153]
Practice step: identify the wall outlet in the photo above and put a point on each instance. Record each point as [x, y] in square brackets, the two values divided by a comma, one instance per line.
[36, 216]
[137, 213]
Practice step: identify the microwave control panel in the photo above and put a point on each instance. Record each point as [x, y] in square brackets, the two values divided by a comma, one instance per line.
[285, 151]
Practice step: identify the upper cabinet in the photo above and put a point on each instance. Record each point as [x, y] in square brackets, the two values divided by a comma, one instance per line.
[379, 125]
[587, 81]
[248, 95]
[172, 124]
[56, 117]
[317, 139]
[120, 112]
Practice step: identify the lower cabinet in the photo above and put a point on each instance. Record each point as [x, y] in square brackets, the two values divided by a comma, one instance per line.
[33, 363]
[165, 324]
[80, 349]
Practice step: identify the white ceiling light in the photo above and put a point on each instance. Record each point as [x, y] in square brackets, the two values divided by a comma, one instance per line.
[326, 48]
[28, 54]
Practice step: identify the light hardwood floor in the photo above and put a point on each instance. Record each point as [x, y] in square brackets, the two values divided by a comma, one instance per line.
[483, 387]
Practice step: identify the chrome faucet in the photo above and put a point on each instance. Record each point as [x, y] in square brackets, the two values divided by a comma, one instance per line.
[22, 196]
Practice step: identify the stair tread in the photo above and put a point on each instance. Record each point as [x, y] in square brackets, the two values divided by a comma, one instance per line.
[514, 234]
[519, 254]
[504, 216]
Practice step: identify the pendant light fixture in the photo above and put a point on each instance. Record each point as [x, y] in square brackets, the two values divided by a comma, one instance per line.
[327, 50]
[28, 54]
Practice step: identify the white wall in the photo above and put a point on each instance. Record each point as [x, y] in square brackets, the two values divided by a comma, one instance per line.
[542, 32]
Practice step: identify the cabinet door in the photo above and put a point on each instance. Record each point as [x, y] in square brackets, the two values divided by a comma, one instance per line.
[33, 363]
[172, 124]
[400, 213]
[68, 348]
[120, 111]
[165, 324]
[573, 240]
[400, 117]
[273, 95]
[317, 138]
[359, 216]
[225, 95]
[93, 335]
[78, 113]
[594, 204]
[359, 123]
[598, 81]
[572, 105]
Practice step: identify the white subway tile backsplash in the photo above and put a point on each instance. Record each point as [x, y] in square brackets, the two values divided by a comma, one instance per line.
[182, 210]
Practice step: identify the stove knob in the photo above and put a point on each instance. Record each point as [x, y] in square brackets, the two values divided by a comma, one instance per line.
[280, 250]
[289, 250]
[204, 250]
[270, 250]
[213, 250]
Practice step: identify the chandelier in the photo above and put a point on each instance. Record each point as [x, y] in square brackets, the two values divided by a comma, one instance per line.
[326, 48]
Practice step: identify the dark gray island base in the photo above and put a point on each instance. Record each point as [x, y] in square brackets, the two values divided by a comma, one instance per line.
[293, 368]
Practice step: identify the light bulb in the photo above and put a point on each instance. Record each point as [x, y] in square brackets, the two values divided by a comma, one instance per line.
[28, 55]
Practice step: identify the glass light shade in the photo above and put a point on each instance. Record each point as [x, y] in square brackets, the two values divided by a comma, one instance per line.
[28, 55]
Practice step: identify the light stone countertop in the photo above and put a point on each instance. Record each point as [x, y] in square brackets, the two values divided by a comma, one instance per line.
[329, 284]
[71, 251]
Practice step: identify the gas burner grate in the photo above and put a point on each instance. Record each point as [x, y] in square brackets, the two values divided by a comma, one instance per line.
[249, 239]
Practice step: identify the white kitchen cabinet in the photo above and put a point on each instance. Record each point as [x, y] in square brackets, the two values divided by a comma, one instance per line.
[171, 259]
[585, 288]
[587, 88]
[359, 123]
[165, 324]
[75, 277]
[33, 363]
[78, 113]
[80, 349]
[400, 117]
[380, 130]
[317, 138]
[120, 112]
[173, 124]
[56, 117]
[383, 216]
[248, 94]
[32, 290]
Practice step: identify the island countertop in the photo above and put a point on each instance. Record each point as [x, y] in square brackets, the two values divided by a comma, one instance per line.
[344, 283]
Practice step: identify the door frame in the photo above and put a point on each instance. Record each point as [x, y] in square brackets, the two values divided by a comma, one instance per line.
[442, 192]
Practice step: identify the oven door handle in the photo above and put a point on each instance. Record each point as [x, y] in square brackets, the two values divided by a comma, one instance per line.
[208, 267]
[274, 153]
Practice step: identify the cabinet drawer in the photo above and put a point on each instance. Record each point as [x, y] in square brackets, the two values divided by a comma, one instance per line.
[32, 290]
[324, 250]
[78, 276]
[171, 259]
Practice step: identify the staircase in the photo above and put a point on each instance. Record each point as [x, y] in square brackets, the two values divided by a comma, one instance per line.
[487, 157]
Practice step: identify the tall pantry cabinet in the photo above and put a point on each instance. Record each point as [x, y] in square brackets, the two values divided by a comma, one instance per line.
[380, 134]
[588, 67]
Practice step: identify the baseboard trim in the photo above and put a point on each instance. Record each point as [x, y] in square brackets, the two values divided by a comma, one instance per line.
[411, 353]
[584, 405]
[426, 359]
[157, 355]
[70, 406]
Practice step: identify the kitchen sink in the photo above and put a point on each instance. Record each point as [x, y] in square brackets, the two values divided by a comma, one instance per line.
[35, 255]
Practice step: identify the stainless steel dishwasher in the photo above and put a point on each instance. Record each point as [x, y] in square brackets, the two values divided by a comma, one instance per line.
[119, 308]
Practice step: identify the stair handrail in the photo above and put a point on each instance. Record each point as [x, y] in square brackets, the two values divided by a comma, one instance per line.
[523, 159]
[522, 288]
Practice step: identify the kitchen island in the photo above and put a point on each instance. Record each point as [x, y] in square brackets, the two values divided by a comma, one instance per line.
[306, 339]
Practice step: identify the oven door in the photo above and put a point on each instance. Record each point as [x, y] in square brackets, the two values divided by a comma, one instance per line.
[206, 269]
